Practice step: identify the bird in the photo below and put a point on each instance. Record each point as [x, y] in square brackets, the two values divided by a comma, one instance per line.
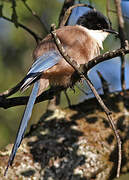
[82, 42]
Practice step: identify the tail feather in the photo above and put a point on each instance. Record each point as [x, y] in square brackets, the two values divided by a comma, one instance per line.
[23, 124]
[43, 63]
[28, 80]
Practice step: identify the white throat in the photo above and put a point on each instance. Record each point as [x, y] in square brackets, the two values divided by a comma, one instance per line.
[99, 36]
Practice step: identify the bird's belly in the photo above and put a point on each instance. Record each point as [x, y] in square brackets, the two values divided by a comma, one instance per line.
[62, 80]
[60, 74]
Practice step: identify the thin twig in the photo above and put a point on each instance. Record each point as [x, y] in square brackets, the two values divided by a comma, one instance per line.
[106, 56]
[69, 11]
[106, 110]
[107, 8]
[105, 85]
[14, 14]
[66, 5]
[122, 40]
[36, 16]
[114, 11]
[89, 93]
[110, 119]
[35, 36]
[11, 91]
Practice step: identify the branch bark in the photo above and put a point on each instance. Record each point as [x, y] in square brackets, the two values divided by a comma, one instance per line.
[68, 12]
[100, 101]
[33, 34]
[36, 16]
[66, 5]
[123, 40]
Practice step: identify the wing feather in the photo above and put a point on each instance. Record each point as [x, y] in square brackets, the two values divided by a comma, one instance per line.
[43, 63]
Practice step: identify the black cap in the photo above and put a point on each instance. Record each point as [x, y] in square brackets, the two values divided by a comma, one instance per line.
[96, 21]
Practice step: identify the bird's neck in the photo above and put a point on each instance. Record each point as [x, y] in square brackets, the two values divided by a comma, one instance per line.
[99, 36]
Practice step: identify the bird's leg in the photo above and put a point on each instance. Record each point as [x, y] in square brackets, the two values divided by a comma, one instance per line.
[57, 99]
[54, 103]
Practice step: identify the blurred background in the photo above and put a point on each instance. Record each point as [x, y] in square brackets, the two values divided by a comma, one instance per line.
[17, 45]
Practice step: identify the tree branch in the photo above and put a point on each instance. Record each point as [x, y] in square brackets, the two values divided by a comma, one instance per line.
[69, 11]
[36, 16]
[17, 101]
[124, 42]
[66, 5]
[33, 34]
[105, 84]
[106, 110]
[114, 11]
[14, 14]
[107, 8]
[106, 56]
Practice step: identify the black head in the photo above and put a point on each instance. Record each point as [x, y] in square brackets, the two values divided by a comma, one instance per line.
[96, 21]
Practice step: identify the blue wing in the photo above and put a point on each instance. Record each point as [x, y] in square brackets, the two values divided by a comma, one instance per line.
[43, 63]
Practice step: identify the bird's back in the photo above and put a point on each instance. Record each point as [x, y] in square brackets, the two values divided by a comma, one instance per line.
[78, 44]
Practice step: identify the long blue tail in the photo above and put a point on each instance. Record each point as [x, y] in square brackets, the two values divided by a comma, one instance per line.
[23, 124]
[43, 63]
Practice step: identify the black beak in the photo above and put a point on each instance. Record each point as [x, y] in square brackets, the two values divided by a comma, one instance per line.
[111, 31]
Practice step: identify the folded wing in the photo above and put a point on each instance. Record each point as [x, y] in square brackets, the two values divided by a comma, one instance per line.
[43, 63]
